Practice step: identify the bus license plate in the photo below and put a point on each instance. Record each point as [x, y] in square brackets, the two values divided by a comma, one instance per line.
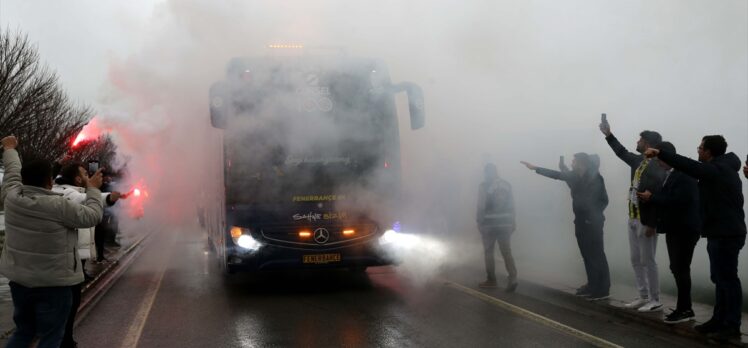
[321, 258]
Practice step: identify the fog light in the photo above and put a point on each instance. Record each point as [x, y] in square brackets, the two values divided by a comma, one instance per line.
[305, 234]
[236, 232]
[349, 233]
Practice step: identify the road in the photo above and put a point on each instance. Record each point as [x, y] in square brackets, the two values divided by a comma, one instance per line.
[173, 295]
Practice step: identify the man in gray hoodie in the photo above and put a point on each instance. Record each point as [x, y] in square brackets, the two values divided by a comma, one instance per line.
[495, 218]
[40, 257]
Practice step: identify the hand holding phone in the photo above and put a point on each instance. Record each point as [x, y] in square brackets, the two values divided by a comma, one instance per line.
[604, 125]
[93, 166]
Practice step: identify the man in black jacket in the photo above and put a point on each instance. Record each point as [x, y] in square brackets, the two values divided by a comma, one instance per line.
[679, 218]
[645, 175]
[721, 196]
[589, 199]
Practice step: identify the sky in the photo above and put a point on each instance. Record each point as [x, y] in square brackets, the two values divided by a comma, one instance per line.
[504, 81]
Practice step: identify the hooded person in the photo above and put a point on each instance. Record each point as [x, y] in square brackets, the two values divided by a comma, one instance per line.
[496, 223]
[589, 200]
[721, 201]
[679, 218]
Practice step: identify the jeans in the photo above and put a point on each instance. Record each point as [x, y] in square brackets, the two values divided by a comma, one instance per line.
[39, 312]
[643, 249]
[68, 340]
[591, 246]
[723, 266]
[680, 246]
[99, 239]
[491, 235]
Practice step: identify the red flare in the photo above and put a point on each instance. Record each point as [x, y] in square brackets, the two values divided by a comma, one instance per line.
[81, 137]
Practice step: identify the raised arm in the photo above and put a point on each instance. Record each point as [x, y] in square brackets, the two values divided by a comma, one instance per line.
[625, 155]
[686, 165]
[12, 178]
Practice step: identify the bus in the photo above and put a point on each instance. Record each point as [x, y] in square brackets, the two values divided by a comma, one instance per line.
[309, 154]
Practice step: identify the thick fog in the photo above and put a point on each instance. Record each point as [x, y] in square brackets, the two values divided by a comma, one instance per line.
[504, 81]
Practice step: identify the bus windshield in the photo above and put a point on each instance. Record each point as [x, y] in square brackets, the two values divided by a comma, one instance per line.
[297, 133]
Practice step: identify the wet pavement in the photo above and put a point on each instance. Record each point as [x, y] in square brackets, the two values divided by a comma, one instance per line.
[173, 295]
[94, 269]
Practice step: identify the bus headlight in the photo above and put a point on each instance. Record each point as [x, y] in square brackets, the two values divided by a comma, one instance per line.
[247, 242]
[399, 240]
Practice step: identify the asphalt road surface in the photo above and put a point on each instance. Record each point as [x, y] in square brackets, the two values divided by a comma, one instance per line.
[174, 295]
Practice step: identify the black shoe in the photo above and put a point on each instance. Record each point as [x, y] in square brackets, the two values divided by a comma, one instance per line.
[512, 286]
[679, 316]
[69, 344]
[488, 284]
[725, 333]
[708, 327]
[597, 297]
[583, 291]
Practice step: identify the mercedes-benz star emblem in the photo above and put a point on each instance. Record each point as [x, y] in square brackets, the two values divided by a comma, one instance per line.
[321, 235]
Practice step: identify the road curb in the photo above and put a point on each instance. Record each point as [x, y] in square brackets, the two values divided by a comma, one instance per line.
[683, 329]
[97, 288]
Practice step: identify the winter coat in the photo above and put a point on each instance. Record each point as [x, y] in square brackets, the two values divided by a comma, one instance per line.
[678, 209]
[588, 194]
[651, 179]
[41, 230]
[495, 205]
[720, 189]
[86, 247]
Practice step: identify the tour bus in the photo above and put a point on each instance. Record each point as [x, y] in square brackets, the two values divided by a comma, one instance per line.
[309, 155]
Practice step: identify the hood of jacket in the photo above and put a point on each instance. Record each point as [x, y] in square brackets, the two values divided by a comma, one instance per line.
[729, 160]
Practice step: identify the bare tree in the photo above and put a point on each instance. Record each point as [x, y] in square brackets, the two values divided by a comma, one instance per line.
[33, 105]
[101, 149]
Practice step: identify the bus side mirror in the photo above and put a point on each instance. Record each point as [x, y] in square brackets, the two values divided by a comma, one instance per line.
[219, 104]
[416, 104]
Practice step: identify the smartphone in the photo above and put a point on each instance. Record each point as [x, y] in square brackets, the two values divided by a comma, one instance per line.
[93, 166]
[604, 118]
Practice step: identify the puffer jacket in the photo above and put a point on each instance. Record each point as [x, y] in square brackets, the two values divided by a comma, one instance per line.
[86, 247]
[41, 230]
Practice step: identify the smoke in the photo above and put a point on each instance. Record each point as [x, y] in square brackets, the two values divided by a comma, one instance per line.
[504, 81]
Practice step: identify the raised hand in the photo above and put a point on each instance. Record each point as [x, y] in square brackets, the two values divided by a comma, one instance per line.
[650, 153]
[10, 142]
[528, 165]
[95, 180]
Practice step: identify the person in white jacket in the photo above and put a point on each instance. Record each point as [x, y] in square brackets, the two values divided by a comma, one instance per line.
[70, 184]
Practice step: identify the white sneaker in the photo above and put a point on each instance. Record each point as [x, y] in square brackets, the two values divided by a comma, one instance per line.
[651, 306]
[636, 303]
